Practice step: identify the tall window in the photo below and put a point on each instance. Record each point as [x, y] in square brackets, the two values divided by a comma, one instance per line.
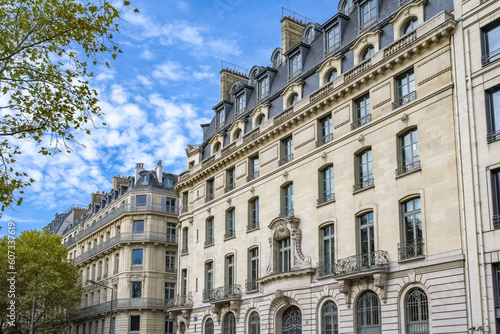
[136, 290]
[137, 257]
[209, 231]
[185, 202]
[309, 35]
[254, 214]
[416, 312]
[230, 273]
[325, 130]
[138, 226]
[230, 224]
[295, 65]
[210, 190]
[364, 172]
[294, 98]
[496, 286]
[185, 240]
[326, 185]
[229, 324]
[329, 318]
[368, 14]
[171, 232]
[170, 205]
[209, 326]
[106, 268]
[412, 244]
[409, 158]
[184, 282]
[254, 323]
[292, 320]
[253, 269]
[140, 200]
[287, 200]
[241, 103]
[333, 41]
[410, 25]
[493, 114]
[209, 278]
[491, 43]
[367, 53]
[254, 168]
[169, 290]
[368, 314]
[230, 179]
[264, 87]
[220, 118]
[135, 323]
[284, 255]
[366, 238]
[169, 326]
[170, 261]
[331, 75]
[363, 115]
[495, 190]
[286, 150]
[117, 263]
[406, 89]
[327, 267]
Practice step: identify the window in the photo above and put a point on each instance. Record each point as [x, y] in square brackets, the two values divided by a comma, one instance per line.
[237, 134]
[254, 214]
[325, 130]
[416, 312]
[169, 182]
[287, 200]
[106, 268]
[263, 87]
[410, 161]
[184, 282]
[362, 115]
[169, 326]
[367, 53]
[347, 7]
[144, 178]
[277, 59]
[368, 314]
[137, 257]
[284, 255]
[209, 279]
[261, 119]
[230, 274]
[295, 65]
[230, 179]
[170, 261]
[491, 43]
[329, 318]
[241, 103]
[217, 147]
[136, 290]
[117, 263]
[169, 290]
[229, 324]
[406, 89]
[135, 323]
[368, 14]
[171, 232]
[412, 243]
[331, 75]
[326, 193]
[496, 288]
[327, 266]
[366, 239]
[309, 35]
[292, 320]
[209, 327]
[333, 41]
[170, 205]
[138, 226]
[286, 150]
[294, 98]
[230, 224]
[364, 174]
[185, 236]
[254, 323]
[140, 200]
[253, 269]
[220, 118]
[495, 189]
[410, 25]
[493, 114]
[254, 168]
[210, 190]
[209, 231]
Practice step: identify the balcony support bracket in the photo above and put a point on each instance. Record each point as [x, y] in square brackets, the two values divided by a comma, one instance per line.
[345, 288]
[380, 281]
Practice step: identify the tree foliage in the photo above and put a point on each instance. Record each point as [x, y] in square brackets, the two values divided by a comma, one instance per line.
[47, 49]
[44, 273]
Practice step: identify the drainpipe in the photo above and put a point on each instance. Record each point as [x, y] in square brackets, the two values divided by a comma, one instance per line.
[475, 172]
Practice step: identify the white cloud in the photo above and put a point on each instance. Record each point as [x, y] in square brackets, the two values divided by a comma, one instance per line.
[169, 70]
[147, 54]
[144, 80]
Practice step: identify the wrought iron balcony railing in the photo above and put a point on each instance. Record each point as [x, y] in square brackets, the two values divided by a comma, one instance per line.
[252, 176]
[408, 168]
[232, 291]
[326, 268]
[285, 213]
[361, 121]
[489, 57]
[411, 249]
[251, 285]
[285, 159]
[496, 221]
[180, 302]
[404, 100]
[363, 184]
[230, 234]
[362, 263]
[493, 136]
[325, 198]
[170, 269]
[325, 139]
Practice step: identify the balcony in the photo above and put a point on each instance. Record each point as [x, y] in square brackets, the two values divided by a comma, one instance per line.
[414, 166]
[361, 121]
[252, 176]
[325, 269]
[358, 70]
[362, 265]
[122, 303]
[400, 43]
[69, 242]
[363, 184]
[137, 267]
[286, 213]
[179, 302]
[496, 221]
[222, 294]
[251, 285]
[490, 57]
[404, 100]
[326, 198]
[286, 159]
[410, 250]
[493, 136]
[229, 234]
[325, 139]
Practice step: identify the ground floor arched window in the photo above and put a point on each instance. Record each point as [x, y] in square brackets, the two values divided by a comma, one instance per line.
[368, 314]
[292, 321]
[416, 312]
[329, 318]
[209, 326]
[254, 323]
[229, 324]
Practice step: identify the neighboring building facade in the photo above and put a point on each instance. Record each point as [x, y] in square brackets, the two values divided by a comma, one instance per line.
[127, 241]
[326, 195]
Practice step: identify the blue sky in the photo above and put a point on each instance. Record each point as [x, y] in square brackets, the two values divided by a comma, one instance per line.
[156, 94]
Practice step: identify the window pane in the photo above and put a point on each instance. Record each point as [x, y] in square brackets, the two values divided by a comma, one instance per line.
[135, 323]
[493, 42]
[136, 289]
[139, 226]
[137, 256]
[140, 200]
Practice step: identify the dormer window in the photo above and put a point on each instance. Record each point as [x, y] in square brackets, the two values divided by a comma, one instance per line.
[309, 35]
[333, 41]
[168, 181]
[348, 7]
[331, 75]
[263, 87]
[217, 147]
[240, 104]
[220, 118]
[367, 53]
[294, 98]
[237, 134]
[277, 59]
[295, 65]
[144, 179]
[410, 25]
[261, 119]
[368, 14]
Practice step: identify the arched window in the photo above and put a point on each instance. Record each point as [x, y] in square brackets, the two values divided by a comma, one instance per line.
[410, 25]
[217, 147]
[416, 312]
[309, 35]
[229, 324]
[261, 119]
[368, 314]
[254, 323]
[277, 59]
[293, 99]
[292, 321]
[329, 318]
[331, 75]
[347, 7]
[367, 53]
[144, 178]
[209, 326]
[237, 134]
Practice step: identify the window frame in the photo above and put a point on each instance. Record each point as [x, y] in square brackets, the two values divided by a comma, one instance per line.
[241, 103]
[411, 247]
[370, 240]
[136, 289]
[210, 186]
[487, 53]
[185, 240]
[230, 178]
[368, 18]
[493, 115]
[329, 317]
[375, 311]
[408, 140]
[286, 150]
[326, 185]
[325, 130]
[137, 227]
[409, 23]
[284, 255]
[170, 257]
[364, 170]
[287, 209]
[362, 111]
[295, 67]
[253, 269]
[229, 325]
[132, 327]
[254, 323]
[327, 241]
[263, 86]
[209, 231]
[495, 197]
[420, 310]
[230, 223]
[134, 252]
[169, 290]
[333, 35]
[209, 277]
[254, 214]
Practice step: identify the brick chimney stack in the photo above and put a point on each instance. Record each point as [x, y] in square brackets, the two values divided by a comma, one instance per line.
[291, 32]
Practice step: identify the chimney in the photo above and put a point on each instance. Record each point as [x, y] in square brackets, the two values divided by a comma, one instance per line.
[227, 78]
[96, 198]
[159, 172]
[139, 167]
[119, 180]
[291, 32]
